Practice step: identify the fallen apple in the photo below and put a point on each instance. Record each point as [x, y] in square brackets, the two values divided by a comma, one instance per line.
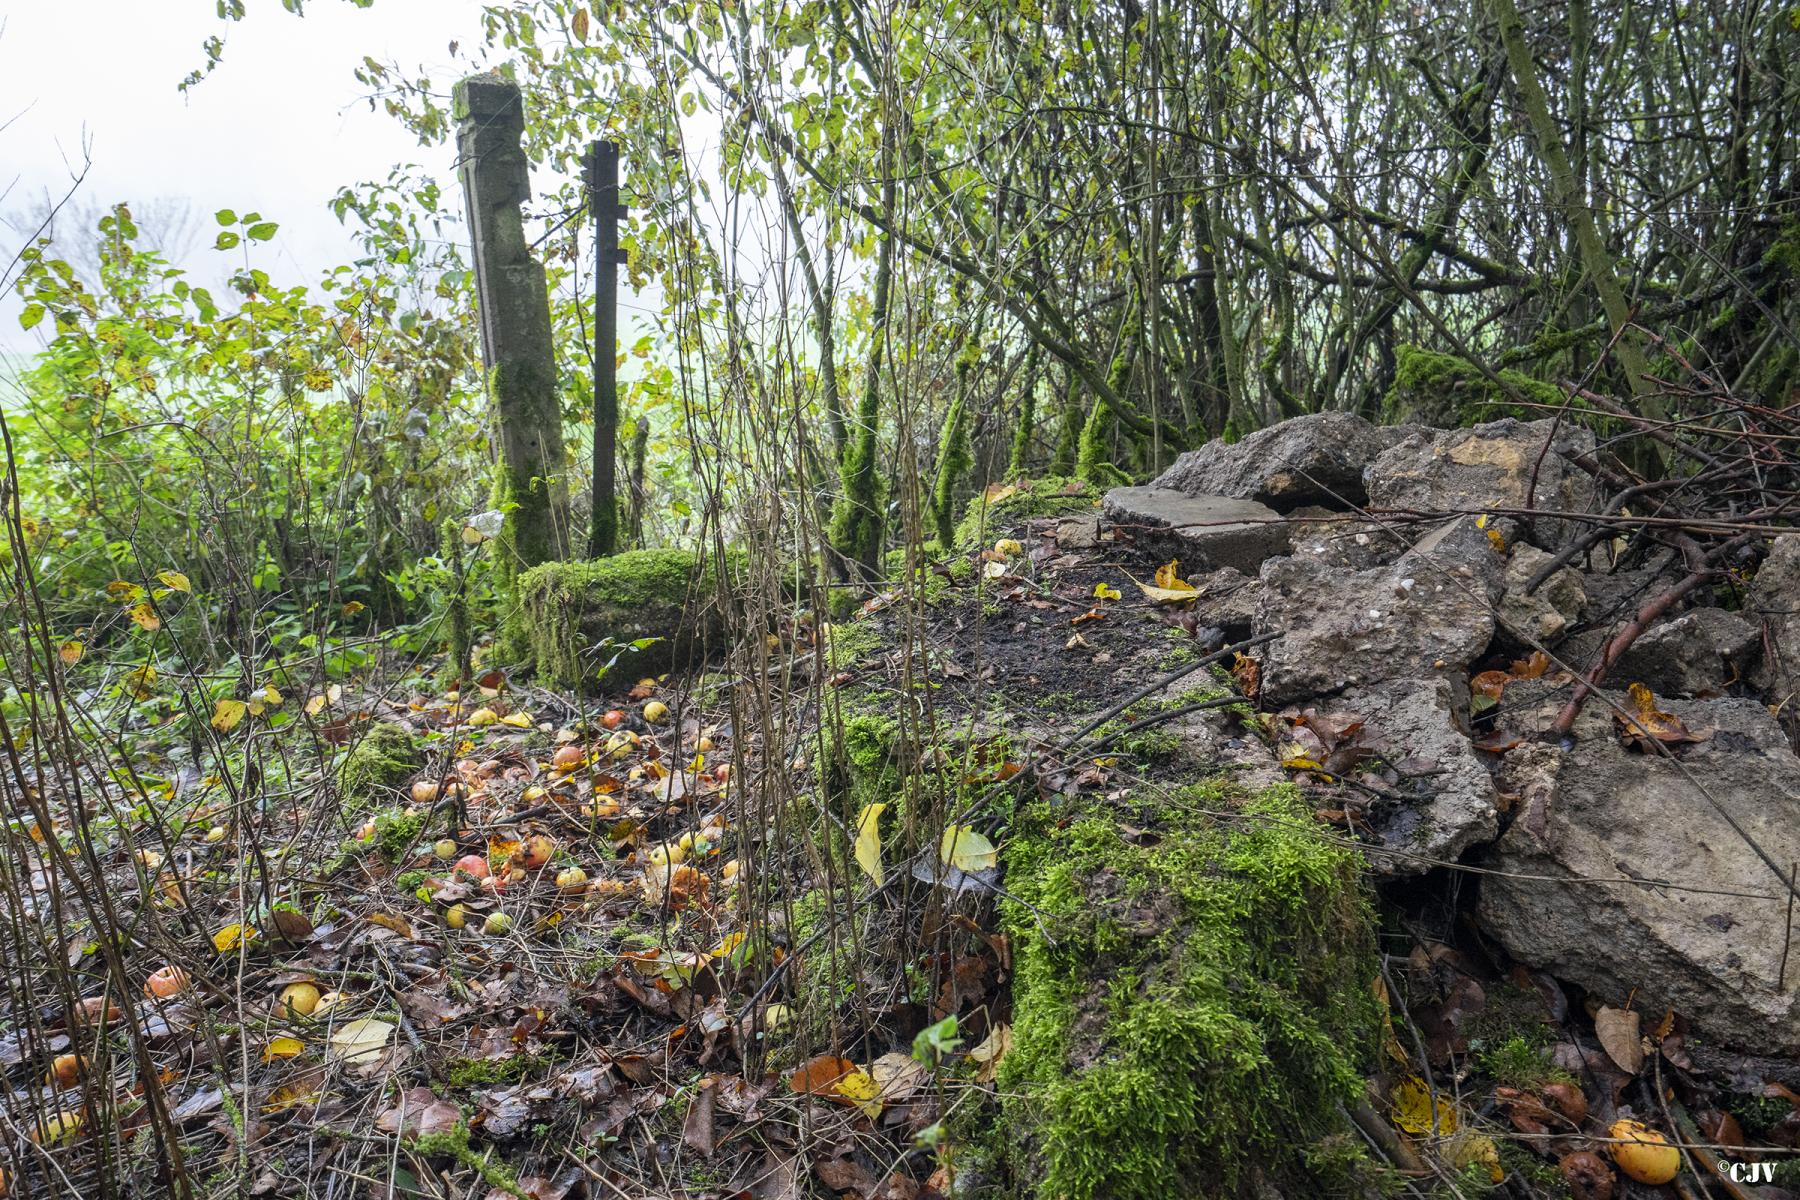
[166, 983]
[567, 758]
[611, 718]
[497, 925]
[475, 866]
[298, 999]
[65, 1070]
[656, 712]
[216, 834]
[536, 853]
[424, 791]
[456, 916]
[444, 848]
[1643, 1153]
[571, 879]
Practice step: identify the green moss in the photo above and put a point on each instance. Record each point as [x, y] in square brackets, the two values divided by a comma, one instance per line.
[571, 609]
[847, 642]
[480, 1072]
[1521, 1062]
[1190, 1009]
[377, 764]
[1051, 496]
[1442, 389]
[454, 1143]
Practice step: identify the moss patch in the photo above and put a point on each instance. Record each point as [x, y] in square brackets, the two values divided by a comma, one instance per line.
[1051, 496]
[377, 764]
[571, 609]
[1442, 389]
[1190, 1007]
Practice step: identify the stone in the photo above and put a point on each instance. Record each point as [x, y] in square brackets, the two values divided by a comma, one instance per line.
[1201, 531]
[1227, 601]
[1347, 543]
[1774, 597]
[1346, 628]
[1618, 874]
[1317, 458]
[1545, 614]
[1698, 652]
[1450, 805]
[1487, 467]
[1463, 552]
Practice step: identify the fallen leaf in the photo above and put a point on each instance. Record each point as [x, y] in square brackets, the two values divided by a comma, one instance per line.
[1106, 591]
[819, 1076]
[859, 1088]
[283, 1047]
[1412, 1108]
[1650, 723]
[988, 1054]
[1619, 1031]
[419, 1113]
[361, 1040]
[967, 850]
[868, 841]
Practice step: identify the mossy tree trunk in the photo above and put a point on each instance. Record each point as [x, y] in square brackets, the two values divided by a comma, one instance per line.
[856, 524]
[955, 456]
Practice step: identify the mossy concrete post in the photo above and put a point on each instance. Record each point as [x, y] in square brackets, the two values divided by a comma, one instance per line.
[515, 326]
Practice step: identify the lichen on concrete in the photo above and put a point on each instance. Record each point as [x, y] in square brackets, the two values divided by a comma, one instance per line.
[1051, 496]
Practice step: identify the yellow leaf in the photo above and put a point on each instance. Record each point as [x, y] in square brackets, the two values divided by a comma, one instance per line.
[283, 1047]
[351, 608]
[472, 536]
[123, 591]
[227, 714]
[1169, 576]
[1180, 593]
[518, 720]
[483, 716]
[967, 850]
[996, 492]
[1468, 1148]
[315, 706]
[1413, 1108]
[290, 1095]
[334, 692]
[70, 652]
[868, 841]
[145, 616]
[860, 1088]
[232, 936]
[271, 696]
[175, 581]
[1106, 591]
[140, 680]
[362, 1040]
[579, 24]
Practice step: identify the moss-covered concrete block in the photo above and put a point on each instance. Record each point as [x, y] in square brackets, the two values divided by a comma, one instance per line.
[579, 616]
[1192, 1009]
[1051, 496]
[377, 764]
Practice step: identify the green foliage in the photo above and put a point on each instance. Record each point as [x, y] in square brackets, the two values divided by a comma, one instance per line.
[1203, 1006]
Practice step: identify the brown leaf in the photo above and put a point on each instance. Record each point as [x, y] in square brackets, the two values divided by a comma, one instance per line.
[419, 1113]
[699, 1130]
[819, 1076]
[1619, 1032]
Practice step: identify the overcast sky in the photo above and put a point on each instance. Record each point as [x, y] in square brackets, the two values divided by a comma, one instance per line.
[278, 128]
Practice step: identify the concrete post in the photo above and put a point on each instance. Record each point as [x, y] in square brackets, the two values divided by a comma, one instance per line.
[515, 326]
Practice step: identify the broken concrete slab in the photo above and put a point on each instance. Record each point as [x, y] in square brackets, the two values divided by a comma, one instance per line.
[1545, 614]
[1503, 464]
[1618, 873]
[1314, 459]
[1445, 798]
[1774, 598]
[1345, 628]
[1696, 653]
[1201, 531]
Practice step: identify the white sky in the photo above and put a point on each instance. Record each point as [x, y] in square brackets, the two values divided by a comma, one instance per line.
[277, 129]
